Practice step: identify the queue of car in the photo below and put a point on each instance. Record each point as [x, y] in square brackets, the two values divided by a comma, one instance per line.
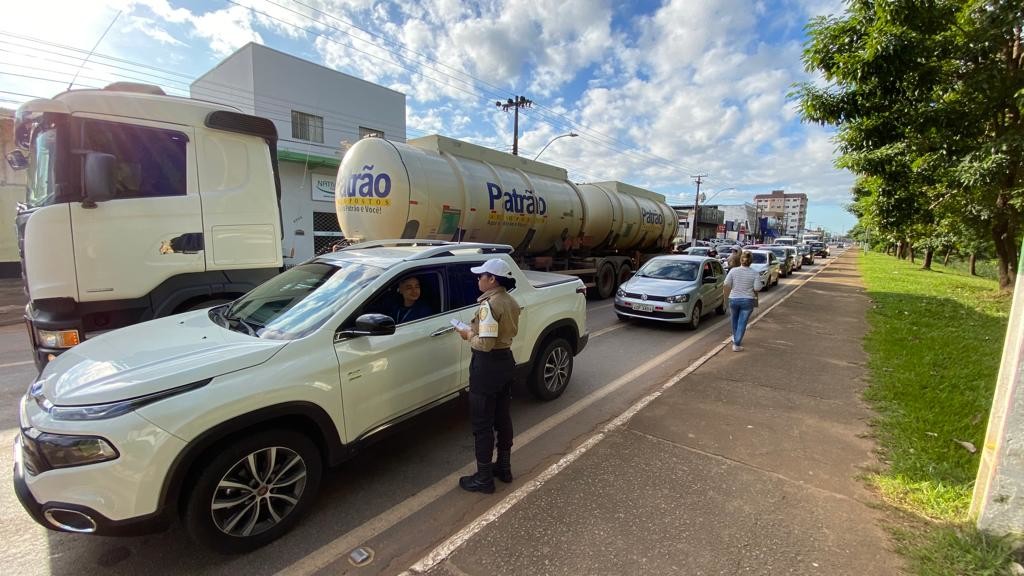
[684, 287]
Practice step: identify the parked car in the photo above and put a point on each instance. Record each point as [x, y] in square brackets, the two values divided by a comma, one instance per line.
[806, 253]
[229, 415]
[786, 260]
[766, 264]
[820, 249]
[678, 289]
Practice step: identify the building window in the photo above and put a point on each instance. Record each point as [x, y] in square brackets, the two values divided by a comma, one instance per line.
[307, 127]
[365, 132]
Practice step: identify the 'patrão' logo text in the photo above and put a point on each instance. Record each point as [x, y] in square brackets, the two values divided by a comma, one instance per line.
[513, 201]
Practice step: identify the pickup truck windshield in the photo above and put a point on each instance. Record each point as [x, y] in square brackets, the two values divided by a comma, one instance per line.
[295, 303]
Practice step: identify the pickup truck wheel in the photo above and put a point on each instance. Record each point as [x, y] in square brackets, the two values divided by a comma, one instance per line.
[253, 491]
[552, 370]
[695, 317]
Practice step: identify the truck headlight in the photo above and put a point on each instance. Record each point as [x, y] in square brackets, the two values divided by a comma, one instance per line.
[58, 338]
[678, 298]
[65, 451]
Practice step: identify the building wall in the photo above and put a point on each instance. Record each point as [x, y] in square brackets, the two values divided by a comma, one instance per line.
[230, 82]
[789, 209]
[309, 219]
[12, 191]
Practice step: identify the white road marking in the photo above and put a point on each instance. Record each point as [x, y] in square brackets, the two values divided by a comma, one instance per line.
[341, 546]
[443, 551]
[8, 365]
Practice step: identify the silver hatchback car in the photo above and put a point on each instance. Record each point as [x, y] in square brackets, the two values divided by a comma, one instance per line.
[678, 289]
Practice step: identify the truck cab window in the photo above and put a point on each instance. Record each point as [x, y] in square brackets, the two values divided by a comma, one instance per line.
[150, 162]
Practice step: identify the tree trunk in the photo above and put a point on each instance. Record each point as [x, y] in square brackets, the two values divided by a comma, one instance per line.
[971, 264]
[928, 253]
[1006, 251]
[945, 261]
[910, 249]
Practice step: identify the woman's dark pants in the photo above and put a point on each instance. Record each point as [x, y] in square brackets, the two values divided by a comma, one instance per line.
[490, 397]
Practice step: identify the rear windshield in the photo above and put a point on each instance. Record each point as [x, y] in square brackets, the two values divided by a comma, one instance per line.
[759, 257]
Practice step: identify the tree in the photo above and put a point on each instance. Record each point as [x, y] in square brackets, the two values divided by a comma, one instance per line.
[927, 99]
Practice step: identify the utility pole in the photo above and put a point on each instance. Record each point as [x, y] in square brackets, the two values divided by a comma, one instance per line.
[515, 103]
[696, 204]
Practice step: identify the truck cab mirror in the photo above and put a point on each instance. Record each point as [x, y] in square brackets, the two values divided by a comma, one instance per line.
[17, 160]
[369, 325]
[99, 177]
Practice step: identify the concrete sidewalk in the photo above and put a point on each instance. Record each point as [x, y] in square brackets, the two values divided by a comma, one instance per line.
[747, 465]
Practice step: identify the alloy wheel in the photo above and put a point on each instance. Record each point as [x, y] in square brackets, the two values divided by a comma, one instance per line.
[258, 491]
[556, 369]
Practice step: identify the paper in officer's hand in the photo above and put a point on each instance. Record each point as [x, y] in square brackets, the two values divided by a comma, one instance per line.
[459, 324]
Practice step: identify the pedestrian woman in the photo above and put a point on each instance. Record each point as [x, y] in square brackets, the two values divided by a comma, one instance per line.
[741, 286]
[491, 371]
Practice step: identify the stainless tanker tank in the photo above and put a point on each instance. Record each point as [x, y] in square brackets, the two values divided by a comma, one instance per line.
[439, 188]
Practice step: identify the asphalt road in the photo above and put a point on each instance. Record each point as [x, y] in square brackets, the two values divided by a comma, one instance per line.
[399, 497]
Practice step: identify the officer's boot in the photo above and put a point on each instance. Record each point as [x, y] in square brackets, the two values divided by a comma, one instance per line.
[482, 481]
[503, 467]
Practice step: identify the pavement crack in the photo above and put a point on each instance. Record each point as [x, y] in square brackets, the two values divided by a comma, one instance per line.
[729, 460]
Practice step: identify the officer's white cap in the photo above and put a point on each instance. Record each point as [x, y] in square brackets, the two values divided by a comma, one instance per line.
[494, 267]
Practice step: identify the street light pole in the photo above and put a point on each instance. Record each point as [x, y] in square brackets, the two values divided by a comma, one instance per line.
[569, 135]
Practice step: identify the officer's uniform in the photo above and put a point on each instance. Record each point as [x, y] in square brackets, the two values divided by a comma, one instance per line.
[491, 371]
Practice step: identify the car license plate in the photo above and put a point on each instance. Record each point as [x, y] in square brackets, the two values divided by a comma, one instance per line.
[643, 307]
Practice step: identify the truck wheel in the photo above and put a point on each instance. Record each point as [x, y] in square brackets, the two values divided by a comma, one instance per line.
[253, 491]
[625, 271]
[695, 317]
[552, 370]
[605, 280]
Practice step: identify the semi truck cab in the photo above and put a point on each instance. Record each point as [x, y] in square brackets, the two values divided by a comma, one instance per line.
[140, 205]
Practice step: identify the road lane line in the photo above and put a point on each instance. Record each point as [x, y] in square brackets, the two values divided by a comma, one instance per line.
[341, 546]
[445, 549]
[10, 364]
[345, 543]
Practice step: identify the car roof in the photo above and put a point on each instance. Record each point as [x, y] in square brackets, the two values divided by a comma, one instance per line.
[388, 253]
[683, 258]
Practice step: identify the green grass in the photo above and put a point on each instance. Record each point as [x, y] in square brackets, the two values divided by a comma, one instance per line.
[934, 350]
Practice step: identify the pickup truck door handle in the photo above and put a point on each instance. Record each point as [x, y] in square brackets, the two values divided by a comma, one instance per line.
[444, 330]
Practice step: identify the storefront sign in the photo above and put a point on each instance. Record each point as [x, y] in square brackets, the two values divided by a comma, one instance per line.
[323, 188]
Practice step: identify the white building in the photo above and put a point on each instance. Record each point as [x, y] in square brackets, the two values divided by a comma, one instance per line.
[789, 209]
[740, 220]
[316, 110]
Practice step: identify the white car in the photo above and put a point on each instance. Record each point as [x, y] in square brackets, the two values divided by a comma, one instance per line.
[231, 414]
[767, 265]
[676, 289]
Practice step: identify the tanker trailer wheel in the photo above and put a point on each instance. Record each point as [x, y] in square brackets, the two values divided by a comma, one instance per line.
[625, 271]
[605, 280]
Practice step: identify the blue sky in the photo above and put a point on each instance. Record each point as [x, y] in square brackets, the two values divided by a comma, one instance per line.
[657, 91]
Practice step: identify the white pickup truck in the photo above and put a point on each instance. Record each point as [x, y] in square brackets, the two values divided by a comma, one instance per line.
[229, 415]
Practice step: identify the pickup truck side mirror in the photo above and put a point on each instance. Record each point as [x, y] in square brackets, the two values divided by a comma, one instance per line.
[370, 325]
[99, 177]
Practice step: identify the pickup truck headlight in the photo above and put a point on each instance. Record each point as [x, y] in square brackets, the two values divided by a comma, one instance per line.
[110, 409]
[58, 338]
[65, 451]
[678, 298]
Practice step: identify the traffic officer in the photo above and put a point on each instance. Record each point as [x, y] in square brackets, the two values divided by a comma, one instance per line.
[491, 371]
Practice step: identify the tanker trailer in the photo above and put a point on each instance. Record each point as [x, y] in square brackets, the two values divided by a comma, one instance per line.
[438, 188]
